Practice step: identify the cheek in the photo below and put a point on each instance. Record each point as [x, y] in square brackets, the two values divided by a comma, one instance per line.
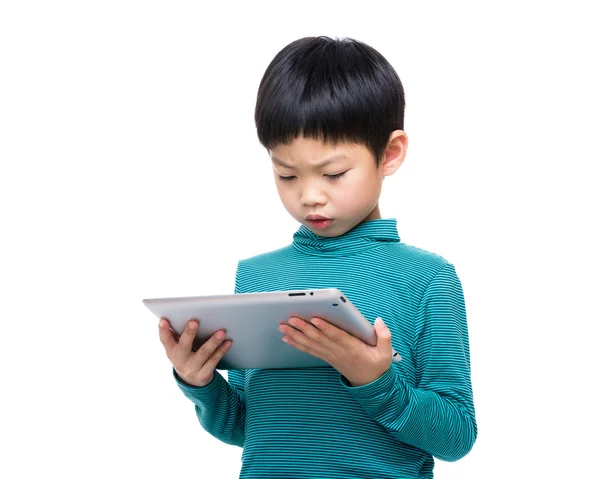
[279, 186]
[286, 194]
[362, 190]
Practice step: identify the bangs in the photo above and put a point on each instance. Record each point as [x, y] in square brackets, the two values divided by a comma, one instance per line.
[336, 91]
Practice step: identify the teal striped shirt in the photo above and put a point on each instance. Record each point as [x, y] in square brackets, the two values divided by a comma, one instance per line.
[311, 423]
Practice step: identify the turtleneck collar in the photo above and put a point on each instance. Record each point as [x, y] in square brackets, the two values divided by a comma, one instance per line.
[362, 237]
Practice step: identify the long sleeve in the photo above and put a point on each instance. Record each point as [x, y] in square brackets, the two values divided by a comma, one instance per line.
[221, 405]
[437, 415]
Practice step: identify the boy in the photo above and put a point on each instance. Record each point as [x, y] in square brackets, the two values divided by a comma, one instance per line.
[330, 113]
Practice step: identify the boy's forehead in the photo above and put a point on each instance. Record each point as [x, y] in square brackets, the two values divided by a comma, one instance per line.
[310, 152]
[316, 162]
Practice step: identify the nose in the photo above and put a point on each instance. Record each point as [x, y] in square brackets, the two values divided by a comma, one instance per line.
[312, 195]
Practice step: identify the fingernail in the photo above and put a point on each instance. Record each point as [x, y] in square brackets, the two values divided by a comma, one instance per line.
[220, 335]
[193, 325]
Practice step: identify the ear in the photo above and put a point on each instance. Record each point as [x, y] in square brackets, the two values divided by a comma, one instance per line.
[394, 154]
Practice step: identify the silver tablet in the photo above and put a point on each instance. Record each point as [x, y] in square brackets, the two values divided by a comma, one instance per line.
[251, 320]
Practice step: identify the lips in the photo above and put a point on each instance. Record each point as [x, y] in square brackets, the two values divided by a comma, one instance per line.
[319, 223]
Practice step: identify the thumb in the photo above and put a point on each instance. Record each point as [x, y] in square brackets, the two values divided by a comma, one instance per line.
[384, 336]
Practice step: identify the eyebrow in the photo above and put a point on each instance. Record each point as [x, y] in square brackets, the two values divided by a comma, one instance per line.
[325, 162]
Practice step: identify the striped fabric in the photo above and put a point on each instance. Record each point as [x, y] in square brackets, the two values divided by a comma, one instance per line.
[310, 423]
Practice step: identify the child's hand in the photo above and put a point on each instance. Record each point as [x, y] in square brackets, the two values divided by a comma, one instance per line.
[358, 362]
[195, 368]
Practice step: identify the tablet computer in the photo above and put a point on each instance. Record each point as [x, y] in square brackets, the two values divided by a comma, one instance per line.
[251, 320]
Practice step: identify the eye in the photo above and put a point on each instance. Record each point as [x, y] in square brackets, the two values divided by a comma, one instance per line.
[334, 177]
[286, 178]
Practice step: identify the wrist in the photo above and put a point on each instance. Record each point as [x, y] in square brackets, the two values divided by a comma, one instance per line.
[194, 383]
[358, 380]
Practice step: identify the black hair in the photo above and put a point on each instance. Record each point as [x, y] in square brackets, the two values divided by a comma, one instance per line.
[334, 90]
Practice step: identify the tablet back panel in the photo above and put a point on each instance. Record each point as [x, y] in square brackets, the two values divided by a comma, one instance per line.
[251, 321]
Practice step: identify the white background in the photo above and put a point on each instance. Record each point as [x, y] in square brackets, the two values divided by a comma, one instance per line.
[130, 168]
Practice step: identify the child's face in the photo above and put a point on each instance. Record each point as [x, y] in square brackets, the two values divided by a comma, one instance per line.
[314, 187]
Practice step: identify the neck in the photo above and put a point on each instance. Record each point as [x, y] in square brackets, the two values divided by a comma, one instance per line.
[373, 215]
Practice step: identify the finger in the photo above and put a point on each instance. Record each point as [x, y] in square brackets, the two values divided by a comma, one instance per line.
[175, 336]
[384, 335]
[332, 332]
[204, 352]
[212, 362]
[296, 335]
[308, 329]
[164, 332]
[301, 341]
[187, 337]
[301, 347]
[181, 353]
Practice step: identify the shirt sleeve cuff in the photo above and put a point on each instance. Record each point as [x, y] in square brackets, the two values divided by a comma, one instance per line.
[200, 392]
[378, 388]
